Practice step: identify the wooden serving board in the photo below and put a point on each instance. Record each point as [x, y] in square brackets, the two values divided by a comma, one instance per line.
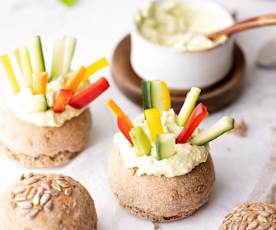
[215, 97]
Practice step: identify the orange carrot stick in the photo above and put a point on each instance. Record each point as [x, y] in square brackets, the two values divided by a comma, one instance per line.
[114, 108]
[74, 81]
[40, 83]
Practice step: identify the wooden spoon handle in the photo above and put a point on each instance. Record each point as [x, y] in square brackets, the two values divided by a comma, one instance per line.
[251, 23]
[258, 18]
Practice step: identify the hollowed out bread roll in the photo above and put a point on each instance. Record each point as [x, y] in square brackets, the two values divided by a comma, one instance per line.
[160, 199]
[33, 146]
[47, 202]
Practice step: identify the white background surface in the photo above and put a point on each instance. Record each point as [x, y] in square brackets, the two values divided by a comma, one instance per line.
[99, 24]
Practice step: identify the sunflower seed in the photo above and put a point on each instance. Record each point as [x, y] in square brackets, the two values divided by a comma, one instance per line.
[19, 190]
[252, 225]
[56, 187]
[32, 193]
[44, 199]
[68, 191]
[25, 205]
[31, 180]
[62, 183]
[37, 197]
[20, 198]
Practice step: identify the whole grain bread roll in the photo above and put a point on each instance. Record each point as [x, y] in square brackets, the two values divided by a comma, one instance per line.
[33, 146]
[160, 199]
[47, 202]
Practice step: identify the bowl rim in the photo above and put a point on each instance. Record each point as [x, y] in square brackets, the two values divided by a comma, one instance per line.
[228, 39]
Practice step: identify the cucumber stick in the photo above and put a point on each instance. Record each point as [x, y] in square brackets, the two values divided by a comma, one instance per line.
[57, 59]
[156, 93]
[36, 54]
[37, 103]
[188, 106]
[140, 141]
[165, 146]
[146, 94]
[223, 125]
[26, 66]
[69, 50]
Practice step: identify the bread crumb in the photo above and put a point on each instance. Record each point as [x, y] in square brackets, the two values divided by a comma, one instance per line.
[240, 128]
[155, 226]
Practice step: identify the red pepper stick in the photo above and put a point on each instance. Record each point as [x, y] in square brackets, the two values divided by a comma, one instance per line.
[89, 94]
[63, 98]
[125, 125]
[197, 116]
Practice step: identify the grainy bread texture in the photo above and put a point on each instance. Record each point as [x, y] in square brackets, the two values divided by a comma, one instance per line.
[160, 199]
[47, 202]
[249, 216]
[33, 146]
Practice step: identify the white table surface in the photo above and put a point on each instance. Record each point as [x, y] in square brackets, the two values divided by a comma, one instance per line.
[99, 24]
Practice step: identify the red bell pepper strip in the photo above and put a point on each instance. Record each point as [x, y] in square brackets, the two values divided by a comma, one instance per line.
[89, 94]
[125, 125]
[63, 98]
[197, 116]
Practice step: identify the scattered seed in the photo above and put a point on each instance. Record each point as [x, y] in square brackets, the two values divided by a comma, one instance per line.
[56, 187]
[25, 205]
[31, 180]
[44, 199]
[63, 183]
[19, 190]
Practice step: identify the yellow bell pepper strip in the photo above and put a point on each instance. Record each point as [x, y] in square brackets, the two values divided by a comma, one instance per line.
[153, 118]
[75, 79]
[26, 66]
[10, 73]
[89, 94]
[114, 108]
[40, 83]
[125, 125]
[166, 96]
[17, 58]
[94, 67]
[63, 98]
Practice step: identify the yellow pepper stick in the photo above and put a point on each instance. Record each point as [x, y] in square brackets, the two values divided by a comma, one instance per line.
[166, 96]
[10, 73]
[40, 83]
[17, 57]
[114, 108]
[153, 118]
[94, 67]
[75, 79]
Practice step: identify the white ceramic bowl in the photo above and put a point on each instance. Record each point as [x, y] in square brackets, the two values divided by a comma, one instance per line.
[183, 69]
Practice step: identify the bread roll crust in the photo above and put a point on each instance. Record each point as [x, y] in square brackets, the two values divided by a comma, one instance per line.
[33, 146]
[160, 199]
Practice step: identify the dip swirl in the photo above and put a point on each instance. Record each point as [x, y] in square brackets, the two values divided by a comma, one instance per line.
[182, 26]
[20, 104]
[186, 157]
